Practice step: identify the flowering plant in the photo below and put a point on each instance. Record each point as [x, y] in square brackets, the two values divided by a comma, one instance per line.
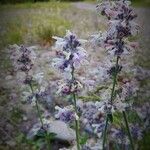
[102, 118]
[121, 25]
[70, 55]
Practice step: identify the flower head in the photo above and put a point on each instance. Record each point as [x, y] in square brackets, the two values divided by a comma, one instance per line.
[69, 52]
[65, 114]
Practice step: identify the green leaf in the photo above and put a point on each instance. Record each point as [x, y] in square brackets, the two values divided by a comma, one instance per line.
[99, 88]
[83, 139]
[41, 133]
[51, 135]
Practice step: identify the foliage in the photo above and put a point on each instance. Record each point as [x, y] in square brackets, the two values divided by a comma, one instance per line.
[34, 23]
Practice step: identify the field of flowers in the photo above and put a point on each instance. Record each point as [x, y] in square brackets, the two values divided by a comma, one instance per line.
[74, 79]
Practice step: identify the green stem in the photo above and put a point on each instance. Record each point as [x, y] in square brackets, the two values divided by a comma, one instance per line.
[40, 117]
[37, 107]
[114, 80]
[128, 130]
[76, 123]
[111, 100]
[76, 120]
[39, 113]
[105, 132]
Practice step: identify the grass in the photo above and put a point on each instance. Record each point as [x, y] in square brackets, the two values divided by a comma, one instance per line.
[136, 3]
[141, 3]
[32, 23]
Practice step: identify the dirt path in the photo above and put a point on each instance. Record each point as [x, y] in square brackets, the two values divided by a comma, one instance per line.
[83, 5]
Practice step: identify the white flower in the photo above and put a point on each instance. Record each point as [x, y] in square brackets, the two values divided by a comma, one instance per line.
[39, 77]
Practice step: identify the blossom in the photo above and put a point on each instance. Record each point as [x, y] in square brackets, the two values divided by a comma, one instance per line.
[66, 87]
[65, 114]
[23, 58]
[118, 135]
[91, 117]
[39, 77]
[69, 52]
[144, 113]
[136, 131]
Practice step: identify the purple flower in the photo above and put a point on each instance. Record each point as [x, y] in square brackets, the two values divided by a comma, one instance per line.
[65, 114]
[69, 52]
[118, 135]
[22, 58]
[136, 131]
[66, 87]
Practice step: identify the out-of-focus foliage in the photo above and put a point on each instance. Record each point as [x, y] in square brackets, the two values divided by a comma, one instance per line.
[34, 22]
[24, 1]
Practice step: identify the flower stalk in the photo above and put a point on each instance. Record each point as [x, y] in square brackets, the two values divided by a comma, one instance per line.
[111, 100]
[70, 55]
[40, 117]
[76, 111]
[128, 130]
[37, 106]
[121, 26]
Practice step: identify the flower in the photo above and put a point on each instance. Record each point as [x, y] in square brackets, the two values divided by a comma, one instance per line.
[118, 135]
[66, 87]
[136, 131]
[91, 117]
[69, 52]
[65, 114]
[23, 58]
[144, 113]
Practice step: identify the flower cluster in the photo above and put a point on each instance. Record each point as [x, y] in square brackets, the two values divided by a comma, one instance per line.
[23, 61]
[65, 114]
[118, 97]
[115, 41]
[69, 86]
[119, 135]
[69, 52]
[70, 55]
[144, 112]
[121, 25]
[22, 58]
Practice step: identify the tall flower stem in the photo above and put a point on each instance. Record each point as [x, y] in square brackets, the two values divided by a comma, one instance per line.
[76, 123]
[40, 117]
[128, 130]
[111, 100]
[114, 80]
[76, 120]
[105, 132]
[37, 107]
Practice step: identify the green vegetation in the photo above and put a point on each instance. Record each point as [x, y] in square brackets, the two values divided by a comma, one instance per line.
[141, 3]
[32, 23]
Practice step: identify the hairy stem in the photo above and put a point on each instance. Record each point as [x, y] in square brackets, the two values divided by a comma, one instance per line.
[37, 106]
[76, 120]
[128, 130]
[111, 100]
[105, 133]
[114, 80]
[76, 123]
[40, 117]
